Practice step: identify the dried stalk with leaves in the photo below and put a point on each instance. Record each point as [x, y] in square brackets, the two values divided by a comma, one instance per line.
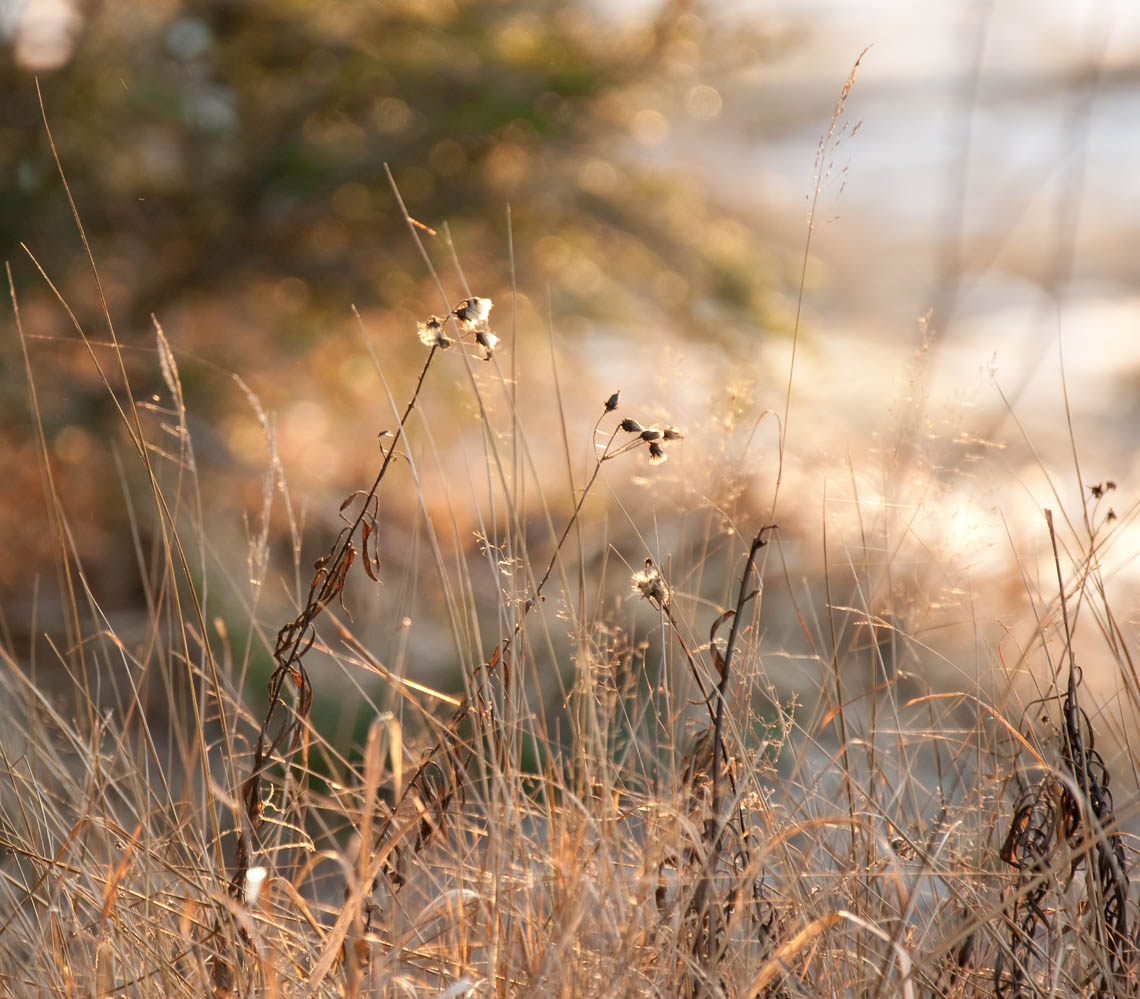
[433, 784]
[1063, 820]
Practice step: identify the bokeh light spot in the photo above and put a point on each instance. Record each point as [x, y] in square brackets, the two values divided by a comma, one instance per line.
[650, 127]
[704, 102]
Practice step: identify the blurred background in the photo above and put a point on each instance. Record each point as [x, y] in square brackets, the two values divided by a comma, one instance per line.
[632, 184]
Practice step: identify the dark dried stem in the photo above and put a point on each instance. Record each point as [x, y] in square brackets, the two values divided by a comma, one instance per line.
[758, 542]
[294, 640]
[387, 459]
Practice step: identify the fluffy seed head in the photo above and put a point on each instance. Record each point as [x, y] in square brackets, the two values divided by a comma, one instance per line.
[473, 311]
[649, 584]
[432, 334]
[488, 341]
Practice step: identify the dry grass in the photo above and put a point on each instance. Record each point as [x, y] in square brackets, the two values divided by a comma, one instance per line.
[664, 823]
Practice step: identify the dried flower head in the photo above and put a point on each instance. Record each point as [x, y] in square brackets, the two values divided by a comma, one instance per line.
[472, 312]
[488, 341]
[649, 584]
[432, 334]
[651, 436]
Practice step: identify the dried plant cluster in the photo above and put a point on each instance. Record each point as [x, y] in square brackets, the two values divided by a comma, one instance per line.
[675, 831]
[619, 802]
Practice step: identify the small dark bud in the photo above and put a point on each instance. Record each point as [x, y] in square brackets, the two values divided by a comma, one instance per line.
[1109, 486]
[673, 434]
[657, 454]
[611, 402]
[631, 426]
[652, 434]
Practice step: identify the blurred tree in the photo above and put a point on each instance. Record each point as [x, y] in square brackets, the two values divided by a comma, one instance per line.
[227, 161]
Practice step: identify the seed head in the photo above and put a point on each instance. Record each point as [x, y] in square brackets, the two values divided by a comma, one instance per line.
[631, 426]
[652, 434]
[432, 334]
[488, 341]
[657, 454]
[672, 434]
[649, 584]
[473, 311]
[611, 402]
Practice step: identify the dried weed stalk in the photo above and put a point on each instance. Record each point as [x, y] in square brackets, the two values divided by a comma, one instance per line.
[1067, 819]
[441, 773]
